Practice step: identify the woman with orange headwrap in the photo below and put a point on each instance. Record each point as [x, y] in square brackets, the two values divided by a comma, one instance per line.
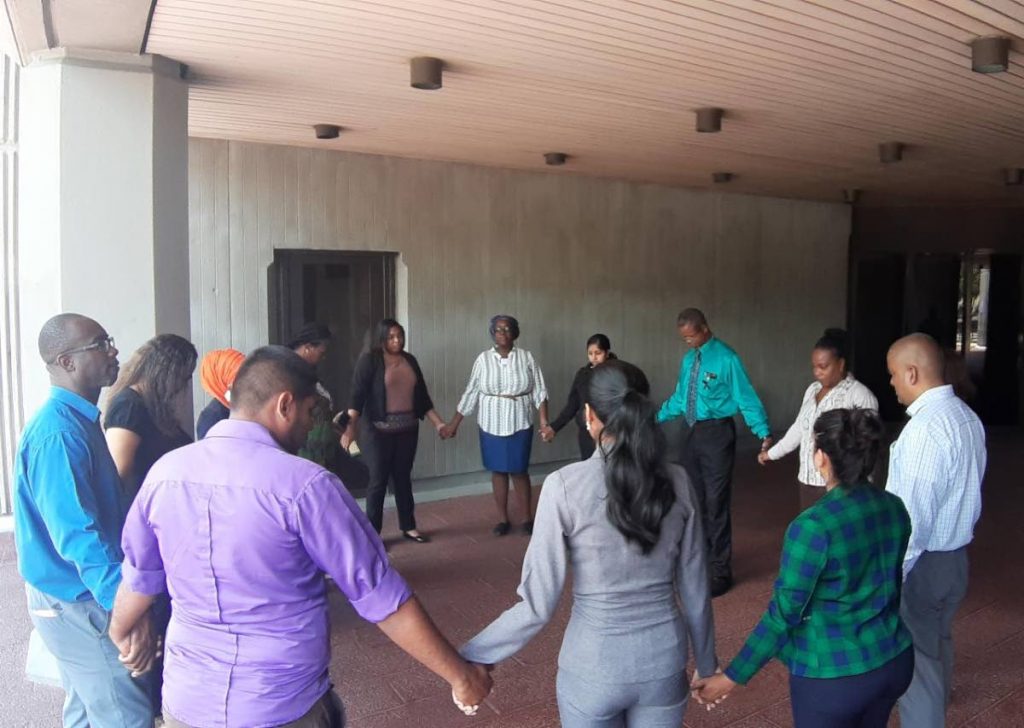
[217, 373]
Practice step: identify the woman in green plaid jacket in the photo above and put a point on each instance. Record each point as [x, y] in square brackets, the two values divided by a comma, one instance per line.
[834, 617]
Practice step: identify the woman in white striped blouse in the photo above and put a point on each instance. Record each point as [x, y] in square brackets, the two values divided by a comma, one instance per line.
[506, 383]
[834, 388]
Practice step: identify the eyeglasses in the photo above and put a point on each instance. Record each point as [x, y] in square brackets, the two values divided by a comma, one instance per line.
[502, 330]
[104, 346]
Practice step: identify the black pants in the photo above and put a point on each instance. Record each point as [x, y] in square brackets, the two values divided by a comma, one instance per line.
[390, 458]
[857, 701]
[586, 443]
[709, 451]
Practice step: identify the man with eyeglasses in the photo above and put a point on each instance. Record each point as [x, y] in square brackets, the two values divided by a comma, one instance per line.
[69, 509]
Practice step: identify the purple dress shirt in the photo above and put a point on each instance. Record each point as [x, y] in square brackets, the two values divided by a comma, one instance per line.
[240, 533]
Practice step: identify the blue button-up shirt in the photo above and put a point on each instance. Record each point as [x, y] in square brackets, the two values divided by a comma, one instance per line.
[723, 389]
[69, 507]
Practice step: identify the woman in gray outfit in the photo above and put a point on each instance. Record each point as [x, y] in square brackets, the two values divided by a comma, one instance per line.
[628, 523]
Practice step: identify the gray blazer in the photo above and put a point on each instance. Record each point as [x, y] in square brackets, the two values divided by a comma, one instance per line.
[631, 613]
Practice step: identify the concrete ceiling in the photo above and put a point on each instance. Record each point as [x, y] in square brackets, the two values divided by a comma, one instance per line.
[810, 88]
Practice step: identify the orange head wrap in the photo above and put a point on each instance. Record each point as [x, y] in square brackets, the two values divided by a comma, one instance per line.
[217, 372]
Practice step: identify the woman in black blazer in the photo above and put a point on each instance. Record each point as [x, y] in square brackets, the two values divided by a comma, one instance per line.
[599, 349]
[390, 395]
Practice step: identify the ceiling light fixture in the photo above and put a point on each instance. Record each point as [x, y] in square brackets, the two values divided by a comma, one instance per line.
[709, 120]
[889, 152]
[425, 73]
[327, 131]
[990, 54]
[721, 177]
[555, 159]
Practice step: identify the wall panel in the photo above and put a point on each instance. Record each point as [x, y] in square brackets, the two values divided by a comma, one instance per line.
[567, 255]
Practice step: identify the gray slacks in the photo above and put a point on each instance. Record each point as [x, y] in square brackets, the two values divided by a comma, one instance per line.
[931, 595]
[654, 704]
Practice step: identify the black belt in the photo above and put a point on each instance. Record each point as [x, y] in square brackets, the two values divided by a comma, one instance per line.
[717, 421]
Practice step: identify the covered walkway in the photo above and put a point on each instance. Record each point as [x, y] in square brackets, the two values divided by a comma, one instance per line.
[466, 577]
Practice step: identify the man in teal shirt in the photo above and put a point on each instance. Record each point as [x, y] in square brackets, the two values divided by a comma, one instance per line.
[69, 509]
[713, 386]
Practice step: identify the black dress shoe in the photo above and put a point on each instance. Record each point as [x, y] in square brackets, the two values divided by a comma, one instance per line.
[501, 529]
[720, 585]
[419, 538]
[528, 528]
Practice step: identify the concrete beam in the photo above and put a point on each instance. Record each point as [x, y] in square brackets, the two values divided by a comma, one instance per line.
[28, 27]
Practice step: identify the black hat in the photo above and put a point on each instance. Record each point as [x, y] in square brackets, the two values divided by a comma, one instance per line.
[311, 333]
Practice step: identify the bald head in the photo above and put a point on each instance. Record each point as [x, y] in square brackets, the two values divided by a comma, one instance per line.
[63, 332]
[916, 364]
[79, 354]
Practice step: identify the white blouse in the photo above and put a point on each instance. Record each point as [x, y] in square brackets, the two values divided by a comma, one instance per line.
[507, 390]
[848, 394]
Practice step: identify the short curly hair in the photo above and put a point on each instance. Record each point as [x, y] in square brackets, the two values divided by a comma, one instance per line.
[512, 324]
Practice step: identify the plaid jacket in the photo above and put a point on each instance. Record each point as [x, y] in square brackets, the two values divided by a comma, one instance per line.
[835, 608]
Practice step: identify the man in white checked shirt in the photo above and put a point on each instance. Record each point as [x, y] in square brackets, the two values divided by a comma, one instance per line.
[936, 467]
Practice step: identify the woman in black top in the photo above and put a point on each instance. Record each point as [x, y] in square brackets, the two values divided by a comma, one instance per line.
[599, 350]
[140, 423]
[390, 395]
[141, 427]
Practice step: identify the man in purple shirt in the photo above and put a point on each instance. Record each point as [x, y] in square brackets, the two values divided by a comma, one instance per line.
[240, 532]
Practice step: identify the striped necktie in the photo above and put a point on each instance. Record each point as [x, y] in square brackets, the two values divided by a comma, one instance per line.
[691, 391]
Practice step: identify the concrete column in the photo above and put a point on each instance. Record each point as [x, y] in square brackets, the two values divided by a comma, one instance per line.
[103, 199]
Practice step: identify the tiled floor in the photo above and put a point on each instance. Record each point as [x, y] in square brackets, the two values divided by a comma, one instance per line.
[466, 577]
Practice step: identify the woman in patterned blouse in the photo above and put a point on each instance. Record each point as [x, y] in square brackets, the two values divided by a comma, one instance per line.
[506, 383]
[834, 616]
[833, 388]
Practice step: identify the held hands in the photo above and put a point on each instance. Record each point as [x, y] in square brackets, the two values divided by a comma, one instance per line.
[447, 432]
[711, 691]
[347, 438]
[762, 457]
[547, 433]
[475, 685]
[140, 647]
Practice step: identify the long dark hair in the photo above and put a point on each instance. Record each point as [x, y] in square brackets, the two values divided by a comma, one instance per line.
[851, 438]
[381, 332]
[159, 370]
[640, 491]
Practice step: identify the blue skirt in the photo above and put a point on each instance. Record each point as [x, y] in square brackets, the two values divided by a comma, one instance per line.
[509, 454]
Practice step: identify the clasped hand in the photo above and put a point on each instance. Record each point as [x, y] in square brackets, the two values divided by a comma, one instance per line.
[711, 691]
[476, 685]
[140, 647]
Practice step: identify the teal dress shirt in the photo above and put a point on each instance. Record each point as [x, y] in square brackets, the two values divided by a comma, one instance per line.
[723, 389]
[69, 507]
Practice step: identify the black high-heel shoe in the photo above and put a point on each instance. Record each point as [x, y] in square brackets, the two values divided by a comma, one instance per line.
[501, 529]
[419, 538]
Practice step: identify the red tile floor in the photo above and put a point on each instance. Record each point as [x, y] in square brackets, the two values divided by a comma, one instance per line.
[466, 577]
